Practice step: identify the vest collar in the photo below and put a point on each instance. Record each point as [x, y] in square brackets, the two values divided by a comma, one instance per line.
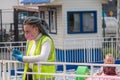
[38, 37]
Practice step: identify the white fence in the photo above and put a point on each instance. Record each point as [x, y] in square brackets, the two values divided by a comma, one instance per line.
[72, 54]
[6, 46]
[59, 75]
[87, 49]
[74, 50]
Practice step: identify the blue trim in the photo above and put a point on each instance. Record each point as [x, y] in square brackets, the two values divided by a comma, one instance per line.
[35, 1]
[95, 20]
[81, 21]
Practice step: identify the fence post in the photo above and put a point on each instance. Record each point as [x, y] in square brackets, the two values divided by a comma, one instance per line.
[64, 71]
[4, 70]
[0, 69]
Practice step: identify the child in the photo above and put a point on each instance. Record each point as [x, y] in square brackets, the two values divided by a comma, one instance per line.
[107, 70]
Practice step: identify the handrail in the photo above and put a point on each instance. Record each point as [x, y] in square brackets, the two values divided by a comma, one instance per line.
[64, 74]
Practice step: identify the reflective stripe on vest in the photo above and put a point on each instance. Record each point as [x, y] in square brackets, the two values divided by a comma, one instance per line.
[43, 68]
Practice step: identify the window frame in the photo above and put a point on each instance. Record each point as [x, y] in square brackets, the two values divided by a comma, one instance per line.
[81, 22]
[42, 14]
[50, 28]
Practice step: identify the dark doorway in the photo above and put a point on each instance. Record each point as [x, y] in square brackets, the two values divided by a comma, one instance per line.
[20, 13]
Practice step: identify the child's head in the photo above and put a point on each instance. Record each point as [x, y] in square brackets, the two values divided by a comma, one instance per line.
[109, 59]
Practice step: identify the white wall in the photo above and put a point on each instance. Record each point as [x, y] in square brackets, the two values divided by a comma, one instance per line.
[8, 4]
[82, 5]
[7, 10]
[76, 5]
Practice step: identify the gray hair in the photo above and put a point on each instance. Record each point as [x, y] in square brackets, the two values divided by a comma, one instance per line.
[37, 22]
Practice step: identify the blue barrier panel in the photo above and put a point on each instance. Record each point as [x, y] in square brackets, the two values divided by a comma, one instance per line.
[78, 55]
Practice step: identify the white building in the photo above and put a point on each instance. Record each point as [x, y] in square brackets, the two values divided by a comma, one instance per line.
[71, 24]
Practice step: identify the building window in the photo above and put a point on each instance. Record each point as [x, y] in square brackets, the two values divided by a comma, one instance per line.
[82, 22]
[53, 20]
[42, 14]
[22, 16]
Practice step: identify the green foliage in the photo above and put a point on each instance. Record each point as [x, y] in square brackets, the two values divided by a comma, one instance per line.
[110, 51]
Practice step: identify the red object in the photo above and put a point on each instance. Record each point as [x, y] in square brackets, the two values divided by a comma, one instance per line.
[109, 70]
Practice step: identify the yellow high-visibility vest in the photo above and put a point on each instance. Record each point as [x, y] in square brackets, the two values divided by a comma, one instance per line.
[42, 68]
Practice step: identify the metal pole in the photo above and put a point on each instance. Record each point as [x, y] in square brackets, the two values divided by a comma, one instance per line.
[118, 16]
[16, 38]
[1, 24]
[118, 10]
[103, 23]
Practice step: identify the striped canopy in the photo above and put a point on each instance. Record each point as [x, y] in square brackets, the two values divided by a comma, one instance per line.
[34, 1]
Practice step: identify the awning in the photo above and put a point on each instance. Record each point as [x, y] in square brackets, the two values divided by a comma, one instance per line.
[35, 1]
